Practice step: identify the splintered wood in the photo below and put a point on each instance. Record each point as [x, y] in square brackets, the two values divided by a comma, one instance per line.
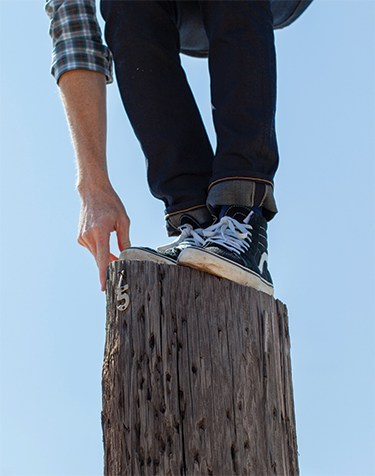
[196, 376]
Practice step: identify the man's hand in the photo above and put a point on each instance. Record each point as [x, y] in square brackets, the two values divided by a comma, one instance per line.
[102, 213]
[84, 98]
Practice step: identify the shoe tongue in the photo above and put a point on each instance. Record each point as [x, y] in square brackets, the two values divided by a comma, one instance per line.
[189, 220]
[237, 212]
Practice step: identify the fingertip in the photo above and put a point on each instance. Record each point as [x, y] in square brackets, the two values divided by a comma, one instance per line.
[102, 277]
[112, 258]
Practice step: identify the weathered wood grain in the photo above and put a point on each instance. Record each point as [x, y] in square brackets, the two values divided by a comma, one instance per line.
[196, 377]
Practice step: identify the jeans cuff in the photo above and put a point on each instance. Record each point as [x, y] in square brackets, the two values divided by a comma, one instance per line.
[200, 213]
[245, 193]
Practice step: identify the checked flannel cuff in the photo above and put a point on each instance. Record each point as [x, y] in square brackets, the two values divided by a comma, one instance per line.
[77, 38]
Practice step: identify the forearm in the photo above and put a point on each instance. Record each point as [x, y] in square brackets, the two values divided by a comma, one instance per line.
[82, 78]
[83, 93]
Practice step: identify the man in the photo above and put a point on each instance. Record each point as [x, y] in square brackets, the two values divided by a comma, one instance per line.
[218, 203]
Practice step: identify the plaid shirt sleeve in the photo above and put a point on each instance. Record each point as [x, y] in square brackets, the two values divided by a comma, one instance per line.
[77, 39]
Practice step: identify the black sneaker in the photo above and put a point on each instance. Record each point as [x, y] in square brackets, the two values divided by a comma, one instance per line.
[191, 235]
[235, 248]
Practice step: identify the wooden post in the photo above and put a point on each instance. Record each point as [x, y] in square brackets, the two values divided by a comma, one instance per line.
[196, 376]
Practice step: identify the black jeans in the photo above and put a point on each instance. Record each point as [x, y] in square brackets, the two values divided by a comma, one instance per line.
[182, 170]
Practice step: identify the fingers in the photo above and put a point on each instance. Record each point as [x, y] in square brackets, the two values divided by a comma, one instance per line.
[97, 239]
[102, 260]
[123, 240]
[97, 242]
[101, 214]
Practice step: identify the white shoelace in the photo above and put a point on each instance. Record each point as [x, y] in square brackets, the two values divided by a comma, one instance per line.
[188, 235]
[230, 234]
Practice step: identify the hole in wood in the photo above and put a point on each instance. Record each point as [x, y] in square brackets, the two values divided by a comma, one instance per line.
[141, 313]
[202, 424]
[176, 424]
[151, 341]
[141, 457]
[137, 428]
[233, 451]
[162, 444]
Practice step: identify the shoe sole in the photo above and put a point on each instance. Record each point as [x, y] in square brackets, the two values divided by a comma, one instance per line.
[211, 263]
[143, 254]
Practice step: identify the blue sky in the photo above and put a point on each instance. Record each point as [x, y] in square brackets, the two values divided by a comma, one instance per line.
[321, 244]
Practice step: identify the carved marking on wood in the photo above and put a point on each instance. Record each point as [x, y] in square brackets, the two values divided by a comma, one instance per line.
[122, 294]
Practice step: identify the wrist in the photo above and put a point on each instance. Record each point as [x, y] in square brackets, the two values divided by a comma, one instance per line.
[92, 182]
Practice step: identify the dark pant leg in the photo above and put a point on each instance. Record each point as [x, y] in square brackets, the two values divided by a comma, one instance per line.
[243, 88]
[144, 40]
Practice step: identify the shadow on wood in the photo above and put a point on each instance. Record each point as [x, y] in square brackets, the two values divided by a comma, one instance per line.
[196, 376]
